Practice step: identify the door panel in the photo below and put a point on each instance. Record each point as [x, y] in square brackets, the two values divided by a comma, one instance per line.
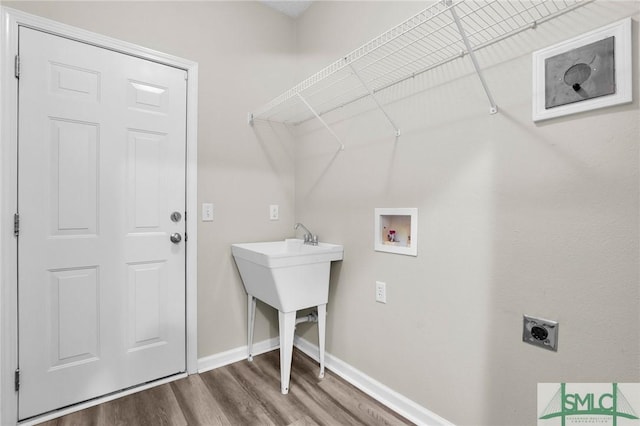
[144, 180]
[101, 168]
[147, 284]
[74, 177]
[74, 316]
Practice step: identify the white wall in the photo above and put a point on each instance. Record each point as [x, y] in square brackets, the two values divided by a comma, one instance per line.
[245, 53]
[514, 218]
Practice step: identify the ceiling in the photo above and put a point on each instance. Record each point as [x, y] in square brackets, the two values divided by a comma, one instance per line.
[292, 8]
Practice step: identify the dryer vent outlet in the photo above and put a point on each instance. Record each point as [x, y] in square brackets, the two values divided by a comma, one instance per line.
[540, 332]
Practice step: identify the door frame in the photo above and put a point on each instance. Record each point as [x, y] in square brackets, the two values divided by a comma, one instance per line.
[10, 21]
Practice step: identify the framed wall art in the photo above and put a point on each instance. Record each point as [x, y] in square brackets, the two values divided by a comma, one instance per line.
[587, 72]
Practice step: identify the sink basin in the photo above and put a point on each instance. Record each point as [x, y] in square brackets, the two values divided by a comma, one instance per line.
[289, 252]
[288, 275]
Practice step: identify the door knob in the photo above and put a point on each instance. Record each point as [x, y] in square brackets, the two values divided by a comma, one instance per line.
[175, 238]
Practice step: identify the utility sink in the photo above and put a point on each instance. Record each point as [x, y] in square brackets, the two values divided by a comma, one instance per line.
[288, 275]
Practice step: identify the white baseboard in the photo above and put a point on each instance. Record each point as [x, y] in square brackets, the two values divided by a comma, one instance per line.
[235, 355]
[388, 397]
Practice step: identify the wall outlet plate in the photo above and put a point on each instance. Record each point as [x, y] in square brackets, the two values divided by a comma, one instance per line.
[274, 212]
[381, 292]
[540, 332]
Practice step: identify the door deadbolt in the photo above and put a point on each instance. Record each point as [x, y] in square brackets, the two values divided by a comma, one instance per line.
[175, 238]
[176, 216]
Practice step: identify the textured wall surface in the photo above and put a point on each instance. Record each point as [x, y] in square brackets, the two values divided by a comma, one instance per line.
[514, 217]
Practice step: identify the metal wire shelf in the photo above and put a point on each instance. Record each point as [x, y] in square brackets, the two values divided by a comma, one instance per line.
[446, 31]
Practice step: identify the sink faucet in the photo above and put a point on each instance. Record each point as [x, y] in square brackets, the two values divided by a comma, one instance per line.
[309, 238]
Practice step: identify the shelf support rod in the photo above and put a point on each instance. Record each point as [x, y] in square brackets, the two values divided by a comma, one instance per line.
[375, 99]
[493, 108]
[321, 121]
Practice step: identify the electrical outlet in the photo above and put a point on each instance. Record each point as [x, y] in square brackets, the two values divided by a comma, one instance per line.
[540, 332]
[207, 212]
[381, 292]
[274, 213]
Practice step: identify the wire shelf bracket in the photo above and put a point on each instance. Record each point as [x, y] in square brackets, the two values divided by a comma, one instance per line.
[375, 99]
[251, 119]
[324, 123]
[493, 108]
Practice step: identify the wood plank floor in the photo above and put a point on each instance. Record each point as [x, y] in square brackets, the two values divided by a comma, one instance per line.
[244, 393]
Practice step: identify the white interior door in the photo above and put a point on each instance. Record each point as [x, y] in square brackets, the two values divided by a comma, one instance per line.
[101, 169]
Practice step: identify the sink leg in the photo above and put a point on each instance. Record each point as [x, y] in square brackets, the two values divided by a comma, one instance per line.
[251, 314]
[287, 322]
[322, 320]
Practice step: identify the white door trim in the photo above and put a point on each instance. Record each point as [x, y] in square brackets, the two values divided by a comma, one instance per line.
[11, 19]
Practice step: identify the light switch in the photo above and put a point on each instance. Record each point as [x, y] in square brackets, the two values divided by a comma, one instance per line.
[207, 212]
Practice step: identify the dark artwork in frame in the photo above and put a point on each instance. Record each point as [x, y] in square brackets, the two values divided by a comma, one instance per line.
[585, 72]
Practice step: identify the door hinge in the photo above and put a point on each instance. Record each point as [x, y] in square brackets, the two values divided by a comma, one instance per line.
[16, 224]
[16, 379]
[17, 66]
